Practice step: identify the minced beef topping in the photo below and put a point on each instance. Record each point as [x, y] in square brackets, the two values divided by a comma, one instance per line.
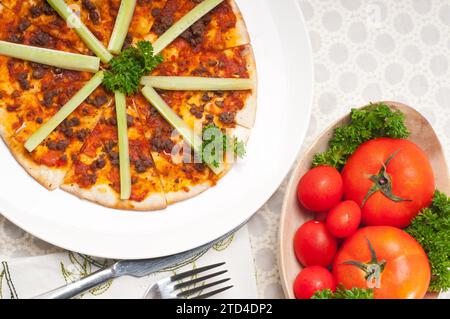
[161, 144]
[41, 39]
[22, 78]
[143, 164]
[58, 145]
[227, 117]
[194, 35]
[97, 101]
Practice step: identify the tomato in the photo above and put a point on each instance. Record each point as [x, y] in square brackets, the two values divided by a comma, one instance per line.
[344, 219]
[391, 179]
[399, 266]
[320, 189]
[314, 245]
[312, 279]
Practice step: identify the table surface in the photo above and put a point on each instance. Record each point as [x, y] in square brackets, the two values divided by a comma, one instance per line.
[364, 51]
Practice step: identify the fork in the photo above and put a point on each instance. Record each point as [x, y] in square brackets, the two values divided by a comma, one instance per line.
[172, 288]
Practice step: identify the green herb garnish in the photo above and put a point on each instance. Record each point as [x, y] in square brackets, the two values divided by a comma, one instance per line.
[216, 144]
[342, 293]
[373, 121]
[431, 228]
[127, 69]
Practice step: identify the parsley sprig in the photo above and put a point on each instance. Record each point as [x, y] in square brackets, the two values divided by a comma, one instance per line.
[127, 69]
[217, 143]
[342, 293]
[431, 228]
[373, 121]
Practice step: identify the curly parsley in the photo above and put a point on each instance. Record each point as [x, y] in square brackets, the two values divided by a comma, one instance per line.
[373, 121]
[127, 68]
[216, 143]
[431, 228]
[342, 293]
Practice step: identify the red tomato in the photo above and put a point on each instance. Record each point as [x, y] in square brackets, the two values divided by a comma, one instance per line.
[391, 179]
[312, 279]
[344, 219]
[320, 189]
[314, 245]
[396, 268]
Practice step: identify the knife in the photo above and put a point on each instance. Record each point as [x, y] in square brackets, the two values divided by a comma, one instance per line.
[134, 268]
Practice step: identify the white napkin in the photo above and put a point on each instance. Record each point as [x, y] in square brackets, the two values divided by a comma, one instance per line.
[31, 276]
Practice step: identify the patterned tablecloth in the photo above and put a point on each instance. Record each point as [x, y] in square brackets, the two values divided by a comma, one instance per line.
[364, 50]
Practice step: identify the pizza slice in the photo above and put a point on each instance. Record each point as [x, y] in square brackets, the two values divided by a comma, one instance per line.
[183, 175]
[231, 107]
[95, 175]
[220, 29]
[51, 30]
[51, 160]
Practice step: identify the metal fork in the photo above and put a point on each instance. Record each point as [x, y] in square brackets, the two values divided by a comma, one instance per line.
[172, 288]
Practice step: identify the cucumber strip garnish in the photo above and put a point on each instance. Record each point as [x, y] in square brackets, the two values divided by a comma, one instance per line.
[45, 130]
[121, 26]
[59, 59]
[124, 155]
[189, 83]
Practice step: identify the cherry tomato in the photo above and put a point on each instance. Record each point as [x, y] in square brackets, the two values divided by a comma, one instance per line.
[344, 219]
[312, 279]
[314, 245]
[320, 189]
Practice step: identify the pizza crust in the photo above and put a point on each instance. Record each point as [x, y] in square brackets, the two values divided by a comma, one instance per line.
[106, 196]
[175, 197]
[247, 116]
[50, 178]
[241, 28]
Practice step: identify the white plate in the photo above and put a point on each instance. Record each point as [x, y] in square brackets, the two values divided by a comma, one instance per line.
[284, 63]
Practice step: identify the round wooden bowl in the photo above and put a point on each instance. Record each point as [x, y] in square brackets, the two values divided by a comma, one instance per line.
[294, 215]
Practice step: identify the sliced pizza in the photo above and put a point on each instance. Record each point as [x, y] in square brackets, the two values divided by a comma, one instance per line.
[82, 154]
[95, 174]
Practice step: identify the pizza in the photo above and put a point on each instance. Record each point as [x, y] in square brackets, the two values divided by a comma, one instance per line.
[81, 155]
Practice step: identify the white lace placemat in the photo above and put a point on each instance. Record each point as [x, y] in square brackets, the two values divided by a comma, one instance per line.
[26, 277]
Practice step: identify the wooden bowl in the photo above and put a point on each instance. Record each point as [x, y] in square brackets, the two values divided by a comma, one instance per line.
[293, 215]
